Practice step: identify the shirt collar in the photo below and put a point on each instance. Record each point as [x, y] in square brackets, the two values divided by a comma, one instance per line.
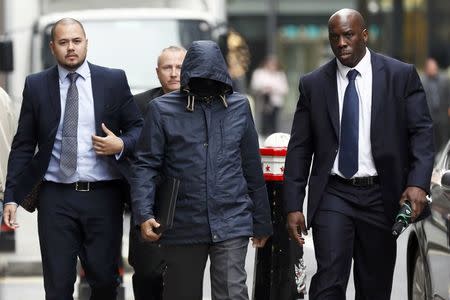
[82, 70]
[363, 67]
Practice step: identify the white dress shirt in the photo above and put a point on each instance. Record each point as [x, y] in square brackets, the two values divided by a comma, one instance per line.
[363, 82]
[90, 166]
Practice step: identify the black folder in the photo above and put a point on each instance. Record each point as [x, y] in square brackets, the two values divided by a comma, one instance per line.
[165, 202]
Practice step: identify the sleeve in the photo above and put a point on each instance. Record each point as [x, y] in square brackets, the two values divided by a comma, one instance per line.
[299, 155]
[146, 166]
[24, 143]
[420, 130]
[130, 118]
[251, 165]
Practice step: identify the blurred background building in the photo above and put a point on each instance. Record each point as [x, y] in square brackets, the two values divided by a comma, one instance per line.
[296, 31]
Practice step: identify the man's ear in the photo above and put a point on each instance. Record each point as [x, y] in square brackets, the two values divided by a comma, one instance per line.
[51, 45]
[365, 35]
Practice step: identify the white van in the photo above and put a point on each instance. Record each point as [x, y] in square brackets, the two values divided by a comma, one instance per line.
[128, 39]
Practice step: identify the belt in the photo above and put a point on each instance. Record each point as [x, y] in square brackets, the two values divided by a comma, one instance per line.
[86, 186]
[357, 181]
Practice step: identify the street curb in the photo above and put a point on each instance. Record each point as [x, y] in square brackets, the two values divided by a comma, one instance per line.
[18, 268]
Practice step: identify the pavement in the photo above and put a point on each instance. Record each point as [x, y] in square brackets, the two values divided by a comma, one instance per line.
[24, 265]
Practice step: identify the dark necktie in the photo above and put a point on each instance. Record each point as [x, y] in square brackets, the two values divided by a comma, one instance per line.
[348, 151]
[68, 163]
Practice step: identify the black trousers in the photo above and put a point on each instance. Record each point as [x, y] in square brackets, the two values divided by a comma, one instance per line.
[87, 225]
[146, 259]
[351, 224]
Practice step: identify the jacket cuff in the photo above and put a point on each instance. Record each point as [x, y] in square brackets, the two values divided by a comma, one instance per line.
[262, 220]
[293, 197]
[125, 149]
[262, 230]
[138, 220]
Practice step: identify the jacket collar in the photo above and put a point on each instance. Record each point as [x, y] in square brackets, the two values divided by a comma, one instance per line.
[378, 86]
[98, 92]
[378, 89]
[331, 95]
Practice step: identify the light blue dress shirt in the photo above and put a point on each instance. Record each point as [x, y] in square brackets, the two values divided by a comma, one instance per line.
[90, 166]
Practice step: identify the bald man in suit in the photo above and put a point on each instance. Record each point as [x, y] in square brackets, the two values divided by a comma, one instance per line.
[364, 118]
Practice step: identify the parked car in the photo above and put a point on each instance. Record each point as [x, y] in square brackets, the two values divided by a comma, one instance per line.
[428, 255]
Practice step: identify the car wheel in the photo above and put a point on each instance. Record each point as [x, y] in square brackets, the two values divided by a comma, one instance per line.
[418, 288]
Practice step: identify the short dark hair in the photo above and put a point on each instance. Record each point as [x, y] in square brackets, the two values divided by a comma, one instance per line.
[65, 21]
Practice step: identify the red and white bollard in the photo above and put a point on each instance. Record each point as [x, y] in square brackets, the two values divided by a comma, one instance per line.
[279, 266]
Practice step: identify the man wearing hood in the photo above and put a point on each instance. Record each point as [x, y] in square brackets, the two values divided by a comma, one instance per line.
[204, 135]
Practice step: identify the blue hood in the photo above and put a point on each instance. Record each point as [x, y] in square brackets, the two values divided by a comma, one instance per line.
[205, 60]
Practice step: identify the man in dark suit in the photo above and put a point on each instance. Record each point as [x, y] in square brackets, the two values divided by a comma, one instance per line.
[364, 118]
[146, 257]
[84, 123]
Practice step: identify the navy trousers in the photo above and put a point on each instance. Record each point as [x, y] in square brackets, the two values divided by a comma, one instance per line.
[75, 224]
[146, 259]
[350, 224]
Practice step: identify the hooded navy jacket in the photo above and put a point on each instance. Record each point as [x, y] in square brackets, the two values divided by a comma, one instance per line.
[212, 147]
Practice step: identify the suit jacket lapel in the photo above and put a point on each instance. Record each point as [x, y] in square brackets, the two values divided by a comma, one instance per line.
[378, 87]
[331, 95]
[98, 93]
[53, 89]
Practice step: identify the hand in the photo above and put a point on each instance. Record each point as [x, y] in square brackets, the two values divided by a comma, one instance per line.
[296, 221]
[418, 200]
[259, 242]
[147, 232]
[108, 145]
[9, 215]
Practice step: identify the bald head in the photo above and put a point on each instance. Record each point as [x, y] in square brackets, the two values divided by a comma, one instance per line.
[66, 21]
[69, 43]
[171, 50]
[348, 14]
[348, 36]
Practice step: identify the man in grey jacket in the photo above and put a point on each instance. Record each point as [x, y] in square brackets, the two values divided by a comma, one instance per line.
[205, 136]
